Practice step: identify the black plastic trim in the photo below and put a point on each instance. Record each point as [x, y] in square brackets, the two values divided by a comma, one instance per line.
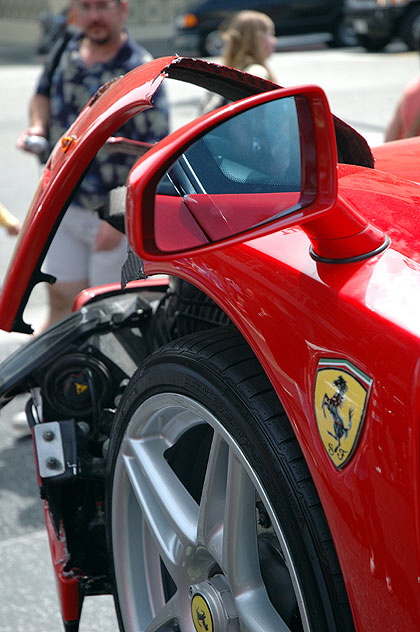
[366, 255]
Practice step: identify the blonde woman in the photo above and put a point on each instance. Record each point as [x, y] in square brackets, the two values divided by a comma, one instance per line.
[249, 40]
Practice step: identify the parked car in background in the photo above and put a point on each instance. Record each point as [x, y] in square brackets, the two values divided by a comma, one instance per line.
[197, 26]
[377, 22]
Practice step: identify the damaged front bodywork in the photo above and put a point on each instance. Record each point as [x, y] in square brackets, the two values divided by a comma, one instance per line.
[106, 112]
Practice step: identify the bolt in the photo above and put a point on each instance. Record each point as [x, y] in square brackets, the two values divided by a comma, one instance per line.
[263, 519]
[52, 463]
[84, 427]
[48, 435]
[263, 522]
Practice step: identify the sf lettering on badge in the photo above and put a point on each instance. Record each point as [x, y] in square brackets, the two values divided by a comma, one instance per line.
[341, 396]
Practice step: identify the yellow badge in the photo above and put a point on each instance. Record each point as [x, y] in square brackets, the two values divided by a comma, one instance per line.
[341, 397]
[80, 388]
[67, 142]
[201, 614]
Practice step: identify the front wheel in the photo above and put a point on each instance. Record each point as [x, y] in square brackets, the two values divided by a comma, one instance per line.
[213, 520]
[372, 44]
[410, 29]
[343, 34]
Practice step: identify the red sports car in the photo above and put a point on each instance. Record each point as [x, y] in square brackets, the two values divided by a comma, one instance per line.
[230, 440]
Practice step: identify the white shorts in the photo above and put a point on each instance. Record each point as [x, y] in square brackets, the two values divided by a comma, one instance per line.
[70, 256]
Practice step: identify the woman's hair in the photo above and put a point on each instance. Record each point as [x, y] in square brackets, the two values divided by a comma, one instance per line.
[244, 42]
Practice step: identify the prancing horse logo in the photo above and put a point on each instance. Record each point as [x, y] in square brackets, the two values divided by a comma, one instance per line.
[201, 615]
[341, 396]
[332, 404]
[201, 618]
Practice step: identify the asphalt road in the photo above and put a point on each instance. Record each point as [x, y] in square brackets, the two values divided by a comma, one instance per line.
[362, 89]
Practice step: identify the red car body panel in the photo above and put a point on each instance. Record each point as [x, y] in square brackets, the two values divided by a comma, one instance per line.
[400, 158]
[67, 583]
[89, 294]
[294, 312]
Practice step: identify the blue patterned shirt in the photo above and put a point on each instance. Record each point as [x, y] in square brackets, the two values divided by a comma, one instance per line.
[71, 85]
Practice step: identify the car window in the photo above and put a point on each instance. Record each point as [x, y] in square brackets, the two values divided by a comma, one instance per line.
[257, 151]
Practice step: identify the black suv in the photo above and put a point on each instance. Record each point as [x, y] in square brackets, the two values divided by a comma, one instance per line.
[377, 22]
[197, 27]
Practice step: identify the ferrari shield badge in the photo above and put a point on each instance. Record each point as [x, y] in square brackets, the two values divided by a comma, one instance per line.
[341, 397]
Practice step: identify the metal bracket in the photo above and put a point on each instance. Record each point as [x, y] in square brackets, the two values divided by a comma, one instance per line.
[55, 445]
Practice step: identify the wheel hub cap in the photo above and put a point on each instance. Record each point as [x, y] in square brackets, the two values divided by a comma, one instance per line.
[212, 606]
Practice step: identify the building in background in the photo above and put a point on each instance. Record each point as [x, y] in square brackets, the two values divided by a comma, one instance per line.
[151, 22]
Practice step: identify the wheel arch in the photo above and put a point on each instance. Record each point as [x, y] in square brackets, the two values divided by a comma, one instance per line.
[272, 368]
[297, 408]
[250, 336]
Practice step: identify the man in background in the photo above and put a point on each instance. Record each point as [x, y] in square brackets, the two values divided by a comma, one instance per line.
[87, 251]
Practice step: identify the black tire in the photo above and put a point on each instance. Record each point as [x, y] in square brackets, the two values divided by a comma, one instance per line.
[343, 34]
[410, 28]
[202, 449]
[372, 44]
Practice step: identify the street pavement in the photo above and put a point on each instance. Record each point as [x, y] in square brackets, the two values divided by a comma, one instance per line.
[362, 89]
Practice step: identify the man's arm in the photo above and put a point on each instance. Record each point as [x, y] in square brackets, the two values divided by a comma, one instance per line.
[394, 129]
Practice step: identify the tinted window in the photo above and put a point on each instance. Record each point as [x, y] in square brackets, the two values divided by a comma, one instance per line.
[257, 151]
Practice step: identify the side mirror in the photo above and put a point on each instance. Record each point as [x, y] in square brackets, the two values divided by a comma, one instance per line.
[256, 166]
